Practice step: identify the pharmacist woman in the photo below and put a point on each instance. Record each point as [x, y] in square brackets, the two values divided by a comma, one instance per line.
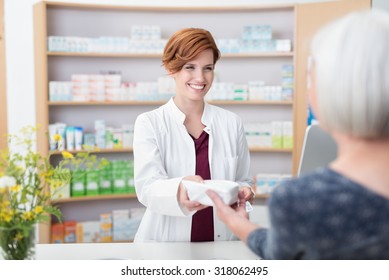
[187, 139]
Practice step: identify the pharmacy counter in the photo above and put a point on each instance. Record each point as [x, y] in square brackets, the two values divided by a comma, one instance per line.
[222, 250]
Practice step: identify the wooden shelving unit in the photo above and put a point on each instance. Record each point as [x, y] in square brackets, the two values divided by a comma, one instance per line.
[295, 22]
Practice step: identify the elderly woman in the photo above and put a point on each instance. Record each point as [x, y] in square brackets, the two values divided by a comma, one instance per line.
[340, 211]
[187, 139]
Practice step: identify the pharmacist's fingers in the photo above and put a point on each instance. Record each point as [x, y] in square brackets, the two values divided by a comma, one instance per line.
[199, 206]
[182, 195]
[246, 194]
[194, 206]
[195, 178]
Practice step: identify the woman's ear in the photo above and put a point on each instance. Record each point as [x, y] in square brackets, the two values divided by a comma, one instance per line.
[171, 74]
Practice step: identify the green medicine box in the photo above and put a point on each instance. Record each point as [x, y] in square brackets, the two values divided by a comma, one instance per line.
[78, 183]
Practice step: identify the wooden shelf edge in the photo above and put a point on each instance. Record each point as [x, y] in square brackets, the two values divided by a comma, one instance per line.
[159, 55]
[194, 8]
[97, 151]
[130, 150]
[270, 150]
[161, 102]
[94, 198]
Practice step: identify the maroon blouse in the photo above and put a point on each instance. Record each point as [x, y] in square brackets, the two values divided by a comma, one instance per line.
[202, 221]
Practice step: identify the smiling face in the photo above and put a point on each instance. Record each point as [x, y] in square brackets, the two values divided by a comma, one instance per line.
[195, 78]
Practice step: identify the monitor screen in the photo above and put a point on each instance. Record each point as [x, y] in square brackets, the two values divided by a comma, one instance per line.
[319, 149]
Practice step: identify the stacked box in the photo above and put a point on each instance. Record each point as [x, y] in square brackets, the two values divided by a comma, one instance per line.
[70, 231]
[92, 182]
[265, 135]
[57, 233]
[62, 192]
[277, 135]
[121, 225]
[105, 179]
[130, 176]
[105, 228]
[78, 183]
[287, 134]
[88, 232]
[119, 177]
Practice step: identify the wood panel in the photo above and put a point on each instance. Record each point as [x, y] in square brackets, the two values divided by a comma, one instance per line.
[309, 19]
[41, 93]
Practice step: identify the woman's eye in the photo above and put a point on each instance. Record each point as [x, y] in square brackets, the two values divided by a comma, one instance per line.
[209, 68]
[189, 67]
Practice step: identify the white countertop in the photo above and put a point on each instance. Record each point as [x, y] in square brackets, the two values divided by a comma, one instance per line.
[221, 250]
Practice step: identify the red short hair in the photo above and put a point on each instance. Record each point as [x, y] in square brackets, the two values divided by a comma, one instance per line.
[186, 44]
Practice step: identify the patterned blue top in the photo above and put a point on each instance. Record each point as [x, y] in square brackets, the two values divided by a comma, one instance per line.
[324, 215]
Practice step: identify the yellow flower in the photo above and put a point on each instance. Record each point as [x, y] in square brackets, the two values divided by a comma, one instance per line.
[6, 216]
[18, 236]
[47, 174]
[4, 204]
[67, 155]
[38, 209]
[57, 137]
[15, 188]
[28, 216]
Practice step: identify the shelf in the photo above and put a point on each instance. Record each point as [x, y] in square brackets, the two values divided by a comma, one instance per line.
[160, 102]
[106, 103]
[130, 150]
[262, 196]
[164, 8]
[94, 198]
[250, 102]
[159, 55]
[96, 151]
[269, 150]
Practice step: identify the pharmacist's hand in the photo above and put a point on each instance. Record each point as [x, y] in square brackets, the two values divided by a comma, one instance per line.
[246, 194]
[183, 198]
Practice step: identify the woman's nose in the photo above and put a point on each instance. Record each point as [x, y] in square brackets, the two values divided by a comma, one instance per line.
[199, 75]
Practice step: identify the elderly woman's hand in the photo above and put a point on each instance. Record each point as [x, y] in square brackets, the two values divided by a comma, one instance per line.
[226, 212]
[236, 219]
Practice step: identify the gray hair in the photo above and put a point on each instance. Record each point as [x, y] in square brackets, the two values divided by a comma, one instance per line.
[351, 60]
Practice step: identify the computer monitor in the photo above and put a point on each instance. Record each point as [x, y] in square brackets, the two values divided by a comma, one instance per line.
[319, 149]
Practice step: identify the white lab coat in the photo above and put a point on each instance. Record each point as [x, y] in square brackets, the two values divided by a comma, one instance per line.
[164, 153]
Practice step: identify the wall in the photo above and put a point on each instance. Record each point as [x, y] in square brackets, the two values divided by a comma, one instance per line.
[19, 49]
[19, 63]
[381, 4]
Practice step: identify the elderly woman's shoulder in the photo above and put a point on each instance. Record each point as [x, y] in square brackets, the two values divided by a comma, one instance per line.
[307, 184]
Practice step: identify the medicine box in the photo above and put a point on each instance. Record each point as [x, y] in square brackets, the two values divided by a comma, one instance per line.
[105, 228]
[88, 232]
[121, 225]
[70, 231]
[57, 233]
